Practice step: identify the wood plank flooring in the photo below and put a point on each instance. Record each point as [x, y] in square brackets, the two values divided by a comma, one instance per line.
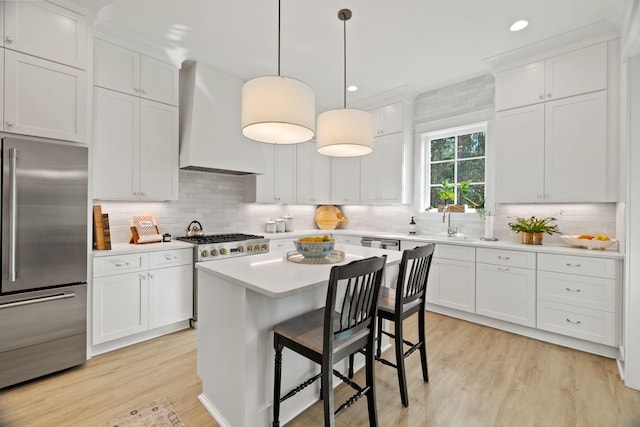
[478, 377]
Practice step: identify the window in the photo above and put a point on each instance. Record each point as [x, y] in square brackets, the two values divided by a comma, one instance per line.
[455, 156]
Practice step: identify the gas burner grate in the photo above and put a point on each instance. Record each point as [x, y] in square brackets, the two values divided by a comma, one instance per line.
[221, 238]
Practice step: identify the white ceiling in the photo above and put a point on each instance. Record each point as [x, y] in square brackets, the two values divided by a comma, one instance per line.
[424, 44]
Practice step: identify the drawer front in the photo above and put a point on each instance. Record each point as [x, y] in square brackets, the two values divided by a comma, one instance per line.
[590, 325]
[170, 258]
[117, 264]
[589, 292]
[461, 253]
[586, 266]
[507, 258]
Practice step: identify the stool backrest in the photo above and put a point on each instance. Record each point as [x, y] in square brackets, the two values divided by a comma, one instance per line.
[413, 275]
[359, 284]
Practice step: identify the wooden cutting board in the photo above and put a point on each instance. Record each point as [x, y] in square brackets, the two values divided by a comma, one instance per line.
[328, 217]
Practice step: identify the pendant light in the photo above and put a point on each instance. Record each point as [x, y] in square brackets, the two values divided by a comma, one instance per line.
[345, 132]
[278, 109]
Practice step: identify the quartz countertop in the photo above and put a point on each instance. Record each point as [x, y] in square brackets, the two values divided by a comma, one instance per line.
[124, 248]
[272, 275]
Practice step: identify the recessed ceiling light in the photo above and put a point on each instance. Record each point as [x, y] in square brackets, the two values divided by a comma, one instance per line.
[519, 25]
[352, 88]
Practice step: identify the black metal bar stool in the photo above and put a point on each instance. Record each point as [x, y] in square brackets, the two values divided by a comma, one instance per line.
[407, 299]
[330, 334]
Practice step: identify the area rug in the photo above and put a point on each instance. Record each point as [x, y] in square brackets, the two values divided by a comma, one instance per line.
[158, 413]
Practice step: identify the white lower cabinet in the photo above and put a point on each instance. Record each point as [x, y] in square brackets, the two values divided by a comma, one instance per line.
[577, 297]
[506, 285]
[452, 281]
[133, 293]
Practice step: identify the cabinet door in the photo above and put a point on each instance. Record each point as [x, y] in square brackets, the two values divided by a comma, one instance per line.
[506, 293]
[370, 174]
[48, 31]
[170, 295]
[285, 173]
[312, 174]
[345, 180]
[452, 284]
[265, 183]
[388, 119]
[116, 134]
[43, 98]
[520, 155]
[391, 183]
[120, 306]
[116, 68]
[574, 73]
[158, 81]
[520, 86]
[576, 149]
[158, 151]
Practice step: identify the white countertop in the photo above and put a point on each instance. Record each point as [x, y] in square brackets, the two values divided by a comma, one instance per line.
[500, 244]
[272, 275]
[124, 248]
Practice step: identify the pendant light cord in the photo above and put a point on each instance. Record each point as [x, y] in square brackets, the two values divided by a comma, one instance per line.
[278, 38]
[344, 91]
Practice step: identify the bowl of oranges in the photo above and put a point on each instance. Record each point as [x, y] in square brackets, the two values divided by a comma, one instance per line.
[314, 246]
[597, 241]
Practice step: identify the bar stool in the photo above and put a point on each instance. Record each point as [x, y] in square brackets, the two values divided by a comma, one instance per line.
[330, 334]
[397, 305]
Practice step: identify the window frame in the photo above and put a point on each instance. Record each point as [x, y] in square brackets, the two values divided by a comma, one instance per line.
[456, 131]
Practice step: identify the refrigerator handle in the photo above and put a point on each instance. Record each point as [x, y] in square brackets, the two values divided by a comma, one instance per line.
[38, 300]
[13, 156]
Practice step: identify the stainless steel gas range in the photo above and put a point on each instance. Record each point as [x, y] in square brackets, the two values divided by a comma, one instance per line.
[222, 246]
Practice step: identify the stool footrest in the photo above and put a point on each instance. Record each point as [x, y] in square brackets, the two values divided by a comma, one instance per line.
[361, 391]
[301, 387]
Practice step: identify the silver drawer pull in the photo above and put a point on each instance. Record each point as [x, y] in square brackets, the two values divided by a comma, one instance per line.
[170, 257]
[121, 264]
[503, 257]
[577, 322]
[503, 269]
[573, 290]
[573, 265]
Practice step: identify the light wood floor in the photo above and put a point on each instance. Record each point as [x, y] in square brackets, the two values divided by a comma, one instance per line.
[478, 377]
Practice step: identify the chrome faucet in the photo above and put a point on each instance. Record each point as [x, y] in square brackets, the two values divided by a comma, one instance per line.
[450, 231]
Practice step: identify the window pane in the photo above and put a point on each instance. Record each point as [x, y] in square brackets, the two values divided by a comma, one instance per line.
[442, 149]
[475, 196]
[442, 171]
[471, 145]
[471, 170]
[435, 197]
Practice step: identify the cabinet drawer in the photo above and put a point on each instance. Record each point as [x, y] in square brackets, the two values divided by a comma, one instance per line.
[588, 292]
[586, 266]
[591, 325]
[170, 258]
[117, 264]
[507, 258]
[462, 253]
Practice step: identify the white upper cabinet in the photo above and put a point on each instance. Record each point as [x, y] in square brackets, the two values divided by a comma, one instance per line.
[388, 119]
[135, 155]
[345, 180]
[48, 31]
[127, 71]
[381, 173]
[573, 73]
[277, 184]
[44, 98]
[312, 175]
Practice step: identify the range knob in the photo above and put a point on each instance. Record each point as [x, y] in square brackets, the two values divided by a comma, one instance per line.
[214, 252]
[240, 249]
[256, 248]
[223, 251]
[249, 248]
[264, 247]
[204, 253]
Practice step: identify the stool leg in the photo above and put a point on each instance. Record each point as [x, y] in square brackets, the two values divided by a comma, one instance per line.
[371, 383]
[402, 379]
[423, 347]
[379, 340]
[277, 379]
[327, 387]
[350, 373]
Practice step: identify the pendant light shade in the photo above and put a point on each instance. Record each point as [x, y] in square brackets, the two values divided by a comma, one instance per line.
[278, 109]
[345, 132]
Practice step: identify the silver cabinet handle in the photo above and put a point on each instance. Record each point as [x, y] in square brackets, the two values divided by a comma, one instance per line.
[142, 276]
[503, 257]
[144, 92]
[137, 89]
[10, 123]
[13, 212]
[121, 264]
[577, 322]
[540, 96]
[573, 290]
[573, 265]
[170, 257]
[37, 300]
[549, 94]
[9, 39]
[503, 269]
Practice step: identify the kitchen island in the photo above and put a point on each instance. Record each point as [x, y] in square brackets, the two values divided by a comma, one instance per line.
[239, 301]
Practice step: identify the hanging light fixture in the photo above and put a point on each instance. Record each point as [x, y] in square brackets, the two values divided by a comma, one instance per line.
[345, 132]
[277, 109]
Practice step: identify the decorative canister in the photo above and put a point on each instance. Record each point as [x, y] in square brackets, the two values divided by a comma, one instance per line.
[280, 225]
[271, 226]
[288, 223]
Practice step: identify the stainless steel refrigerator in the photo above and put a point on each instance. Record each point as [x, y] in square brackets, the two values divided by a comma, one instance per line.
[43, 296]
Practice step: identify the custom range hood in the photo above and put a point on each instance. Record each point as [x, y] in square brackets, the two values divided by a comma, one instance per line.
[210, 136]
